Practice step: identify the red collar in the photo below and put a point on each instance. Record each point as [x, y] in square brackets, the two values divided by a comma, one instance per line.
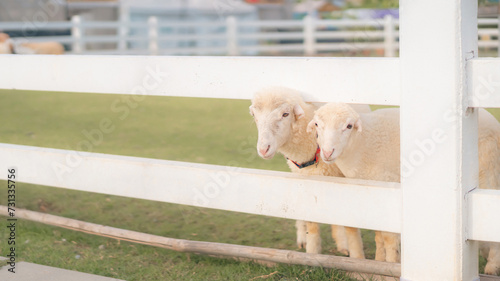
[307, 164]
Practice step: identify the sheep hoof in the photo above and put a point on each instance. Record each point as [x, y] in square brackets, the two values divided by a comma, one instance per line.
[313, 250]
[380, 258]
[344, 252]
[313, 245]
[301, 241]
[492, 269]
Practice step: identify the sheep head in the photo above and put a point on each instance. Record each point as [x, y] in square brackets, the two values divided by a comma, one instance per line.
[275, 111]
[5, 44]
[334, 123]
[4, 37]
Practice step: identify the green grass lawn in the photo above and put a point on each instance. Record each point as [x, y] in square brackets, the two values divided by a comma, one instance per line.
[182, 129]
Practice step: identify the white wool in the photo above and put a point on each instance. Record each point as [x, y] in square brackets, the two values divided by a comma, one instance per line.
[281, 116]
[367, 146]
[363, 146]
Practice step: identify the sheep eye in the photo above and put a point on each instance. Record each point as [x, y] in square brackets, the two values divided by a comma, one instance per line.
[316, 124]
[349, 126]
[286, 114]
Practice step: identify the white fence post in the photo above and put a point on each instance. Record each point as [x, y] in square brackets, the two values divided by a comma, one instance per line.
[309, 36]
[77, 33]
[438, 139]
[153, 35]
[389, 36]
[124, 19]
[232, 36]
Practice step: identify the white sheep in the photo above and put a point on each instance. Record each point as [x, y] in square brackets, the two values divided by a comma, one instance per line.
[8, 46]
[342, 134]
[363, 146]
[489, 177]
[281, 117]
[5, 44]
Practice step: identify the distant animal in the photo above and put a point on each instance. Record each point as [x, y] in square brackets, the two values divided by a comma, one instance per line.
[5, 44]
[9, 46]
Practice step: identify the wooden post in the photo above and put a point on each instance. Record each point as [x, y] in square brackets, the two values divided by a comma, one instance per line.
[211, 248]
[124, 19]
[232, 36]
[309, 38]
[76, 33]
[438, 139]
[389, 36]
[153, 35]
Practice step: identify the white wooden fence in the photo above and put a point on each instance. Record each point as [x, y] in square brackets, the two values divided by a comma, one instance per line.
[232, 37]
[438, 81]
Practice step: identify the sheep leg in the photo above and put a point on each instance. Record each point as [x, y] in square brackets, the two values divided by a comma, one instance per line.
[355, 243]
[391, 245]
[301, 234]
[484, 249]
[493, 265]
[340, 238]
[313, 239]
[379, 245]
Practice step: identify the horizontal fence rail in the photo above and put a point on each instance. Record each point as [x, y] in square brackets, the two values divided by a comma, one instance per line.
[339, 79]
[233, 36]
[312, 198]
[484, 82]
[352, 80]
[216, 249]
[484, 205]
[261, 192]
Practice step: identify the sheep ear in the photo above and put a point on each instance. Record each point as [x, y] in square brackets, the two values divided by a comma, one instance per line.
[310, 126]
[358, 126]
[298, 111]
[251, 109]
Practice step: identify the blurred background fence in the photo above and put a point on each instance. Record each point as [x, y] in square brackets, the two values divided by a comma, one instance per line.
[234, 36]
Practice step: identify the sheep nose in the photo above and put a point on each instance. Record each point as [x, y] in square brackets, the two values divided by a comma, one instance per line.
[327, 154]
[263, 151]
